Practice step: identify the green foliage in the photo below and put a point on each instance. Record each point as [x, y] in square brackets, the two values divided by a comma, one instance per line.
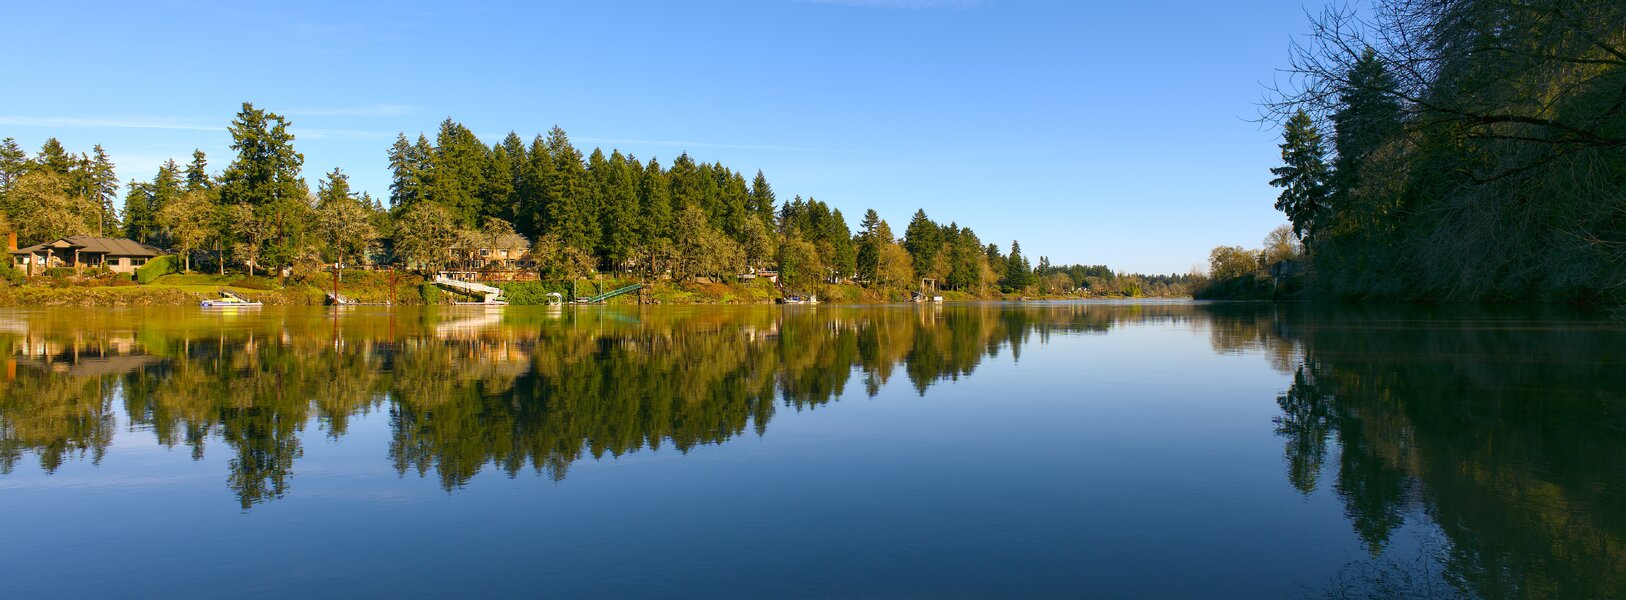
[10, 274]
[1302, 176]
[157, 267]
[1480, 150]
[430, 293]
[1225, 262]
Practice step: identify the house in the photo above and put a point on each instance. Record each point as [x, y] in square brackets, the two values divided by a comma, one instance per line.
[120, 255]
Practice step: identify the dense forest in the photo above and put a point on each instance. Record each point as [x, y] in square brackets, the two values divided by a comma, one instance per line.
[572, 214]
[1463, 150]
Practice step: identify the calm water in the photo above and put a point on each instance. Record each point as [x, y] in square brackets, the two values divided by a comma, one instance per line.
[1118, 450]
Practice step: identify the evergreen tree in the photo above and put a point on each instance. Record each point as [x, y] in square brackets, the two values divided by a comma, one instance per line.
[497, 197]
[409, 172]
[197, 173]
[103, 191]
[1017, 274]
[655, 214]
[568, 212]
[457, 172]
[265, 177]
[923, 239]
[1368, 117]
[619, 211]
[140, 220]
[762, 199]
[13, 163]
[869, 246]
[1302, 176]
[165, 189]
[54, 158]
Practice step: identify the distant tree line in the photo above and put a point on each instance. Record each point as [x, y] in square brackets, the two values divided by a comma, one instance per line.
[572, 213]
[1460, 149]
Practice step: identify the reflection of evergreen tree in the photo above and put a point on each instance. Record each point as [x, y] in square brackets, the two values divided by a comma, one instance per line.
[1305, 422]
[467, 392]
[1507, 436]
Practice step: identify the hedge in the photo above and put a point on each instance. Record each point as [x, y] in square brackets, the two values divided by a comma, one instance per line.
[155, 268]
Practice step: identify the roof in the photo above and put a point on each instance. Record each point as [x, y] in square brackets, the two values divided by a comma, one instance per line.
[85, 243]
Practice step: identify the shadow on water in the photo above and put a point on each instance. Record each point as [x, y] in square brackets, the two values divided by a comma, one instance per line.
[1503, 430]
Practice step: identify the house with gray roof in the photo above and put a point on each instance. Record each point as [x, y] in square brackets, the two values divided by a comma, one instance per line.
[120, 255]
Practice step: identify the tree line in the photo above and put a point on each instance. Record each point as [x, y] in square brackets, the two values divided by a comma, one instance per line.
[573, 213]
[1460, 149]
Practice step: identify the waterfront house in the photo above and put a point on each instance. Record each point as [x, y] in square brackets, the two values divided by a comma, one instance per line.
[120, 255]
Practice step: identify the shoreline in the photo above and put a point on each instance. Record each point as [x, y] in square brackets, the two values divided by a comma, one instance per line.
[413, 294]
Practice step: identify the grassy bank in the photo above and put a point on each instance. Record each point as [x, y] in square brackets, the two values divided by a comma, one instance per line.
[377, 287]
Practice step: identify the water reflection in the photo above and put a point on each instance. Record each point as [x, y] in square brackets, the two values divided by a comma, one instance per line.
[1504, 428]
[1501, 431]
[470, 389]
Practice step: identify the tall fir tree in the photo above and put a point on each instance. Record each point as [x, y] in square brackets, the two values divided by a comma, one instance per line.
[457, 172]
[102, 187]
[197, 173]
[923, 239]
[762, 202]
[1302, 176]
[264, 177]
[1368, 117]
[568, 212]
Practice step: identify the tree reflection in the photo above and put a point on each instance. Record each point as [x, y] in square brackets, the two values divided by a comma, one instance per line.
[1502, 427]
[467, 390]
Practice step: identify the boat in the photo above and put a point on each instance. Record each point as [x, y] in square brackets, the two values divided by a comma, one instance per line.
[230, 300]
[800, 300]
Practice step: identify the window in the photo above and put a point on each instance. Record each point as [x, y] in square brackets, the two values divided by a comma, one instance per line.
[136, 262]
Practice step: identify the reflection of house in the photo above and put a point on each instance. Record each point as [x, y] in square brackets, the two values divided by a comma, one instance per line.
[120, 255]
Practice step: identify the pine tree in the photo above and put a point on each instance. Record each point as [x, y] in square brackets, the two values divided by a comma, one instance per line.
[140, 220]
[53, 158]
[1302, 176]
[531, 190]
[923, 239]
[457, 172]
[265, 177]
[762, 199]
[103, 191]
[1017, 274]
[13, 163]
[568, 213]
[165, 189]
[1368, 117]
[197, 173]
[618, 211]
[408, 166]
[869, 246]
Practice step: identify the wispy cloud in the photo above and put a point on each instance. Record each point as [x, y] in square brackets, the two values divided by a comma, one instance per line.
[135, 123]
[913, 4]
[683, 144]
[176, 124]
[374, 110]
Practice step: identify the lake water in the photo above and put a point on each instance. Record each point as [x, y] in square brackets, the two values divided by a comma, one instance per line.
[1157, 449]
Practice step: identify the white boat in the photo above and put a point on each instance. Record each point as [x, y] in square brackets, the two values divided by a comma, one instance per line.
[230, 300]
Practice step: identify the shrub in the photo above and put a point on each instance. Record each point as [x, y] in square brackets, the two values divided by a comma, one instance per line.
[10, 274]
[155, 268]
[430, 293]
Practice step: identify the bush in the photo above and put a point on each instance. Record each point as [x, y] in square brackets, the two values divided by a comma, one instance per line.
[430, 293]
[11, 275]
[532, 292]
[155, 268]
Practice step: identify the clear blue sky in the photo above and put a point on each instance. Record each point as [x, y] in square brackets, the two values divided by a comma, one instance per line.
[1102, 133]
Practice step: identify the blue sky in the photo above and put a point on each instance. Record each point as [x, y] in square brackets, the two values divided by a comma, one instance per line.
[1101, 133]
